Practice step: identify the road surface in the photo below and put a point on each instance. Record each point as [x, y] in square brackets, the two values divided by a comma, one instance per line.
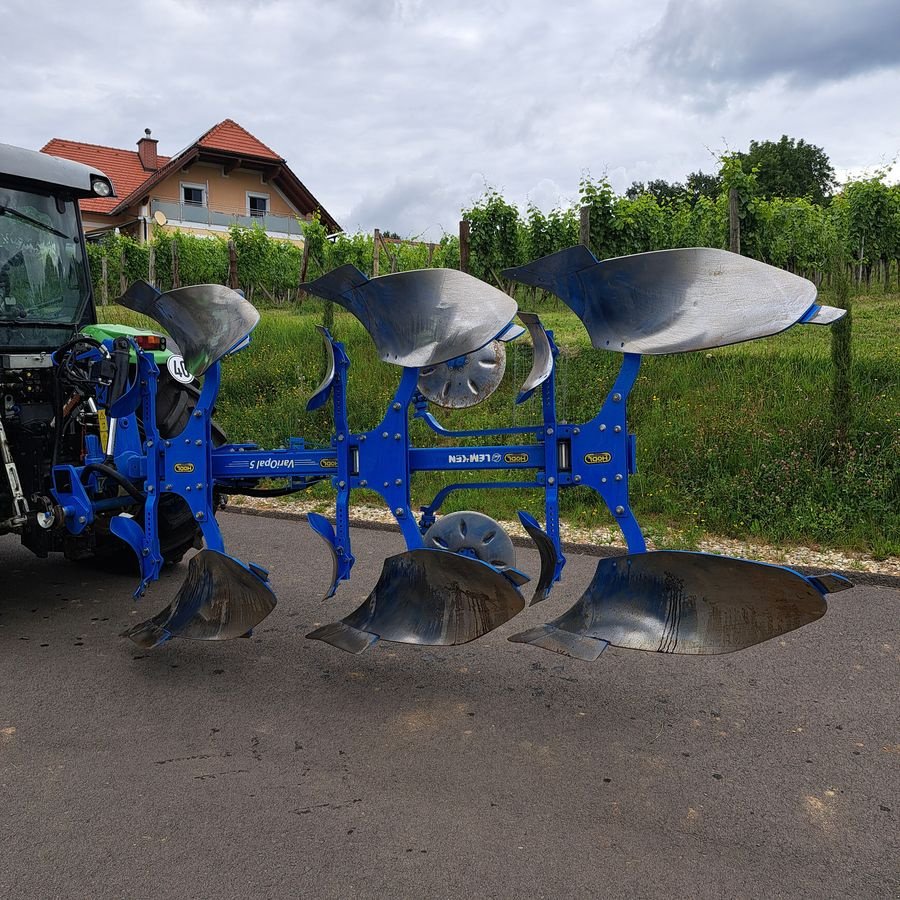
[281, 767]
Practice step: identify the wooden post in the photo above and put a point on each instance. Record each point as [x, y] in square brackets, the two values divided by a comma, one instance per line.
[151, 266]
[304, 262]
[464, 246]
[233, 282]
[734, 221]
[176, 274]
[376, 251]
[430, 255]
[104, 283]
[123, 283]
[584, 229]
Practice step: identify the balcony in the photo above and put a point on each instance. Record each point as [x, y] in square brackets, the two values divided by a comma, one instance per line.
[199, 216]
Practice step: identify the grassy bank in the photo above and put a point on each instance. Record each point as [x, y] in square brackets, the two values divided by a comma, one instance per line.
[739, 441]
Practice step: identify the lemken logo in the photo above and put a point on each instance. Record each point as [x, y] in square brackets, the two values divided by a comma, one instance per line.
[593, 458]
[516, 458]
[183, 468]
[329, 462]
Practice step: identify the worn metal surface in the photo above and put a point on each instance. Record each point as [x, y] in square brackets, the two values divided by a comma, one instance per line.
[467, 380]
[206, 320]
[547, 551]
[220, 599]
[427, 597]
[672, 301]
[542, 361]
[320, 395]
[474, 532]
[678, 602]
[423, 317]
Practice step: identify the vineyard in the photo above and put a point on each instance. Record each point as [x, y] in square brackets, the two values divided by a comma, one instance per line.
[860, 225]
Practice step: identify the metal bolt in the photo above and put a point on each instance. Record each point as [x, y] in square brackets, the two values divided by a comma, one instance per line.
[168, 487]
[576, 431]
[199, 517]
[618, 477]
[198, 443]
[551, 480]
[81, 520]
[199, 486]
[603, 428]
[362, 437]
[340, 437]
[386, 484]
[620, 510]
[617, 429]
[617, 398]
[187, 488]
[398, 482]
[197, 414]
[342, 484]
[603, 480]
[363, 483]
[549, 431]
[384, 434]
[397, 436]
[150, 488]
[149, 443]
[576, 479]
[396, 407]
[398, 511]
[187, 440]
[168, 443]
[145, 552]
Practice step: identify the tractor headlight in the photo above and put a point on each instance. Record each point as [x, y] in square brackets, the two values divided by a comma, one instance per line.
[101, 188]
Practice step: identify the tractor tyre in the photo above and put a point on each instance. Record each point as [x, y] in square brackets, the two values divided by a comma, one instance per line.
[178, 532]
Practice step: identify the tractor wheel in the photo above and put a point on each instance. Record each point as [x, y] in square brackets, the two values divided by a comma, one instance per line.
[178, 532]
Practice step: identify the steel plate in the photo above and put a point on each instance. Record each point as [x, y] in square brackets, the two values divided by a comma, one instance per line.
[672, 301]
[423, 317]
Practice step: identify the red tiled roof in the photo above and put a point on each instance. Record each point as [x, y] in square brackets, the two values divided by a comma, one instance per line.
[131, 180]
[122, 166]
[232, 138]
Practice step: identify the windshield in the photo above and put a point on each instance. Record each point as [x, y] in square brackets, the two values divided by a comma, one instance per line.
[42, 273]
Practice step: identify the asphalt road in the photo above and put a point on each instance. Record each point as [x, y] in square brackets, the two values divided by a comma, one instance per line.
[280, 767]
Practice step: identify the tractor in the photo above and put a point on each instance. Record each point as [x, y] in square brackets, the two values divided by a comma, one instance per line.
[107, 440]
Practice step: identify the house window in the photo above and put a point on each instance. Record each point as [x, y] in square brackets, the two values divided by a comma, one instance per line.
[193, 194]
[258, 205]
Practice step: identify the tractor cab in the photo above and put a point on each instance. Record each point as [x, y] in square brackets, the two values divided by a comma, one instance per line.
[45, 284]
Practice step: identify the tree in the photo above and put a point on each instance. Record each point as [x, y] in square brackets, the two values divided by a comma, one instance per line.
[664, 191]
[789, 168]
[699, 184]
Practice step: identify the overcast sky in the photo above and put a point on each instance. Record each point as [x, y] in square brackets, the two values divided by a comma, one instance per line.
[398, 113]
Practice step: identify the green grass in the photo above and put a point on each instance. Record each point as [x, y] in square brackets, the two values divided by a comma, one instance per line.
[740, 441]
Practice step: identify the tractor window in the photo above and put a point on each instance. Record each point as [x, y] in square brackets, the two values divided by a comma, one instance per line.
[42, 273]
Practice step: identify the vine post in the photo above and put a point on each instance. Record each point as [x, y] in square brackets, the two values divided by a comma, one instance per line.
[734, 220]
[176, 274]
[232, 266]
[104, 281]
[841, 355]
[584, 228]
[376, 251]
[464, 245]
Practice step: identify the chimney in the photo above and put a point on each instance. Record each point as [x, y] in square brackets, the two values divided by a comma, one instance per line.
[147, 151]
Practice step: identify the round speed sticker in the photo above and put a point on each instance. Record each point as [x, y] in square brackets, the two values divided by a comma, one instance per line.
[178, 370]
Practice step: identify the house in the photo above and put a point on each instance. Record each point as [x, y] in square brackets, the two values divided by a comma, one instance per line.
[225, 177]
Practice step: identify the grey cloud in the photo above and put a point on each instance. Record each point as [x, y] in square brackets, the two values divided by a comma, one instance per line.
[397, 113]
[711, 47]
